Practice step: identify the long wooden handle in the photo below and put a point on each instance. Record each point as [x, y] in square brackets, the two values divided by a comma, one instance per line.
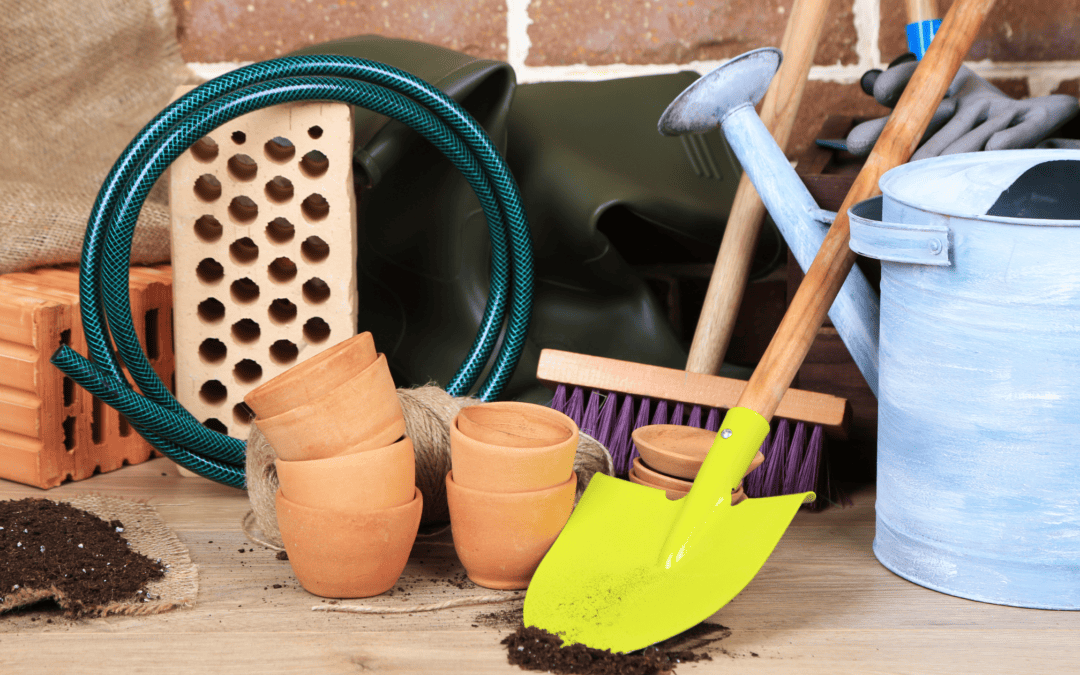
[921, 10]
[732, 269]
[895, 146]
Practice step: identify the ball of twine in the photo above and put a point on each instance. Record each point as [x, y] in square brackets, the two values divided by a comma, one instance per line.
[428, 411]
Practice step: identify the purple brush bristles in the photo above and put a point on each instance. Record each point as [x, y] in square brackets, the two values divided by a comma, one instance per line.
[619, 443]
[795, 453]
[793, 463]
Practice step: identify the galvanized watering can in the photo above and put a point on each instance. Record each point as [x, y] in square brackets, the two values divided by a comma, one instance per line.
[977, 370]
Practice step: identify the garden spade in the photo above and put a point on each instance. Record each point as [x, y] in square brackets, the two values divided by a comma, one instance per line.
[632, 568]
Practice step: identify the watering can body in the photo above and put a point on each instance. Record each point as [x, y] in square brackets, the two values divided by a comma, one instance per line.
[976, 371]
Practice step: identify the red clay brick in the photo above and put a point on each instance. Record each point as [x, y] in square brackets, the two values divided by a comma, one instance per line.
[1015, 30]
[829, 98]
[210, 31]
[567, 32]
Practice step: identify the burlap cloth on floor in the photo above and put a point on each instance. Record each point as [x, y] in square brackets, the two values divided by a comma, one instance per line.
[78, 81]
[148, 534]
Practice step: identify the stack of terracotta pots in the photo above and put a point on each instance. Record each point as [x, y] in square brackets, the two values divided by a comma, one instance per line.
[511, 488]
[348, 507]
[672, 454]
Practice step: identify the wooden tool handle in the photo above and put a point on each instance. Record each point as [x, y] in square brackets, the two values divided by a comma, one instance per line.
[732, 269]
[895, 146]
[921, 10]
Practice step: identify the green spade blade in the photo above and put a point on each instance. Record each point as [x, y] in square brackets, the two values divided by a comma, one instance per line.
[632, 568]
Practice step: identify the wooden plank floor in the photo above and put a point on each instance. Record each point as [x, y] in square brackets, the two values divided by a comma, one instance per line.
[822, 604]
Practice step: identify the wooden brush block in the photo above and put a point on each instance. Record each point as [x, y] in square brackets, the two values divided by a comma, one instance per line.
[264, 252]
[51, 429]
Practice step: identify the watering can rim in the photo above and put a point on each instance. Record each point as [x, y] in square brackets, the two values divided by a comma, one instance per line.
[989, 173]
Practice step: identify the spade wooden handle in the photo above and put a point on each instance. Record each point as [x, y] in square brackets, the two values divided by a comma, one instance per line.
[921, 10]
[778, 110]
[895, 146]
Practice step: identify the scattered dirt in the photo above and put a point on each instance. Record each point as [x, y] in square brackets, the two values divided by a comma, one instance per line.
[85, 561]
[506, 619]
[282, 555]
[536, 649]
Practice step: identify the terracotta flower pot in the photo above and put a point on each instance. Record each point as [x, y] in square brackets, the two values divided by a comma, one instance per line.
[361, 481]
[360, 414]
[676, 488]
[348, 555]
[512, 446]
[309, 379]
[501, 537]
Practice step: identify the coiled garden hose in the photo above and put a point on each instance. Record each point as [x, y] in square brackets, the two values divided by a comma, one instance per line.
[104, 267]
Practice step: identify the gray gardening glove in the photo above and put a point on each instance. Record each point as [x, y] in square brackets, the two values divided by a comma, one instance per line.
[975, 115]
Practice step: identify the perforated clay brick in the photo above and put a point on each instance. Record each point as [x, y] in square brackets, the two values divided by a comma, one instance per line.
[264, 253]
[51, 429]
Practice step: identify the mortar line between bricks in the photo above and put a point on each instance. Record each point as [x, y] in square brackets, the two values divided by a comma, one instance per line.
[518, 43]
[867, 20]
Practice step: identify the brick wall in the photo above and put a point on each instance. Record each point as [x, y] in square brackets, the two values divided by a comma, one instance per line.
[1027, 47]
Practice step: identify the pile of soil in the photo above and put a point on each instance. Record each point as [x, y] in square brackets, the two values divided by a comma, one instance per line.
[84, 561]
[532, 648]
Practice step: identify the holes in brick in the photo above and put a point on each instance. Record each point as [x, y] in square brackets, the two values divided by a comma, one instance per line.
[246, 330]
[125, 427]
[213, 392]
[314, 164]
[282, 270]
[315, 207]
[280, 231]
[244, 251]
[282, 311]
[242, 167]
[68, 387]
[247, 371]
[315, 250]
[242, 414]
[205, 149]
[279, 149]
[208, 229]
[209, 271]
[97, 420]
[214, 424]
[315, 290]
[243, 209]
[316, 330]
[207, 187]
[211, 310]
[315, 132]
[284, 351]
[213, 350]
[69, 433]
[279, 189]
[239, 137]
[150, 330]
[65, 337]
[244, 290]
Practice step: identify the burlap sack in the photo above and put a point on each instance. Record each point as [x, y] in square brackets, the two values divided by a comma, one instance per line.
[78, 81]
[148, 534]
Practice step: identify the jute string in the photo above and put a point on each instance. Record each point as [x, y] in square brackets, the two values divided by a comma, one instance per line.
[428, 410]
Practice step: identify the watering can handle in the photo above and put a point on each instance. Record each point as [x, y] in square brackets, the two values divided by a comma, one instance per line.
[896, 242]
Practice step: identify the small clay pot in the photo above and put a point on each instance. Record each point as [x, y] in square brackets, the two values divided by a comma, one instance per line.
[511, 446]
[501, 537]
[361, 414]
[671, 494]
[361, 481]
[309, 379]
[676, 488]
[348, 555]
[676, 450]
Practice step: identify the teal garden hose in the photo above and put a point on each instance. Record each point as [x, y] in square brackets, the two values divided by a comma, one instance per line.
[104, 298]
